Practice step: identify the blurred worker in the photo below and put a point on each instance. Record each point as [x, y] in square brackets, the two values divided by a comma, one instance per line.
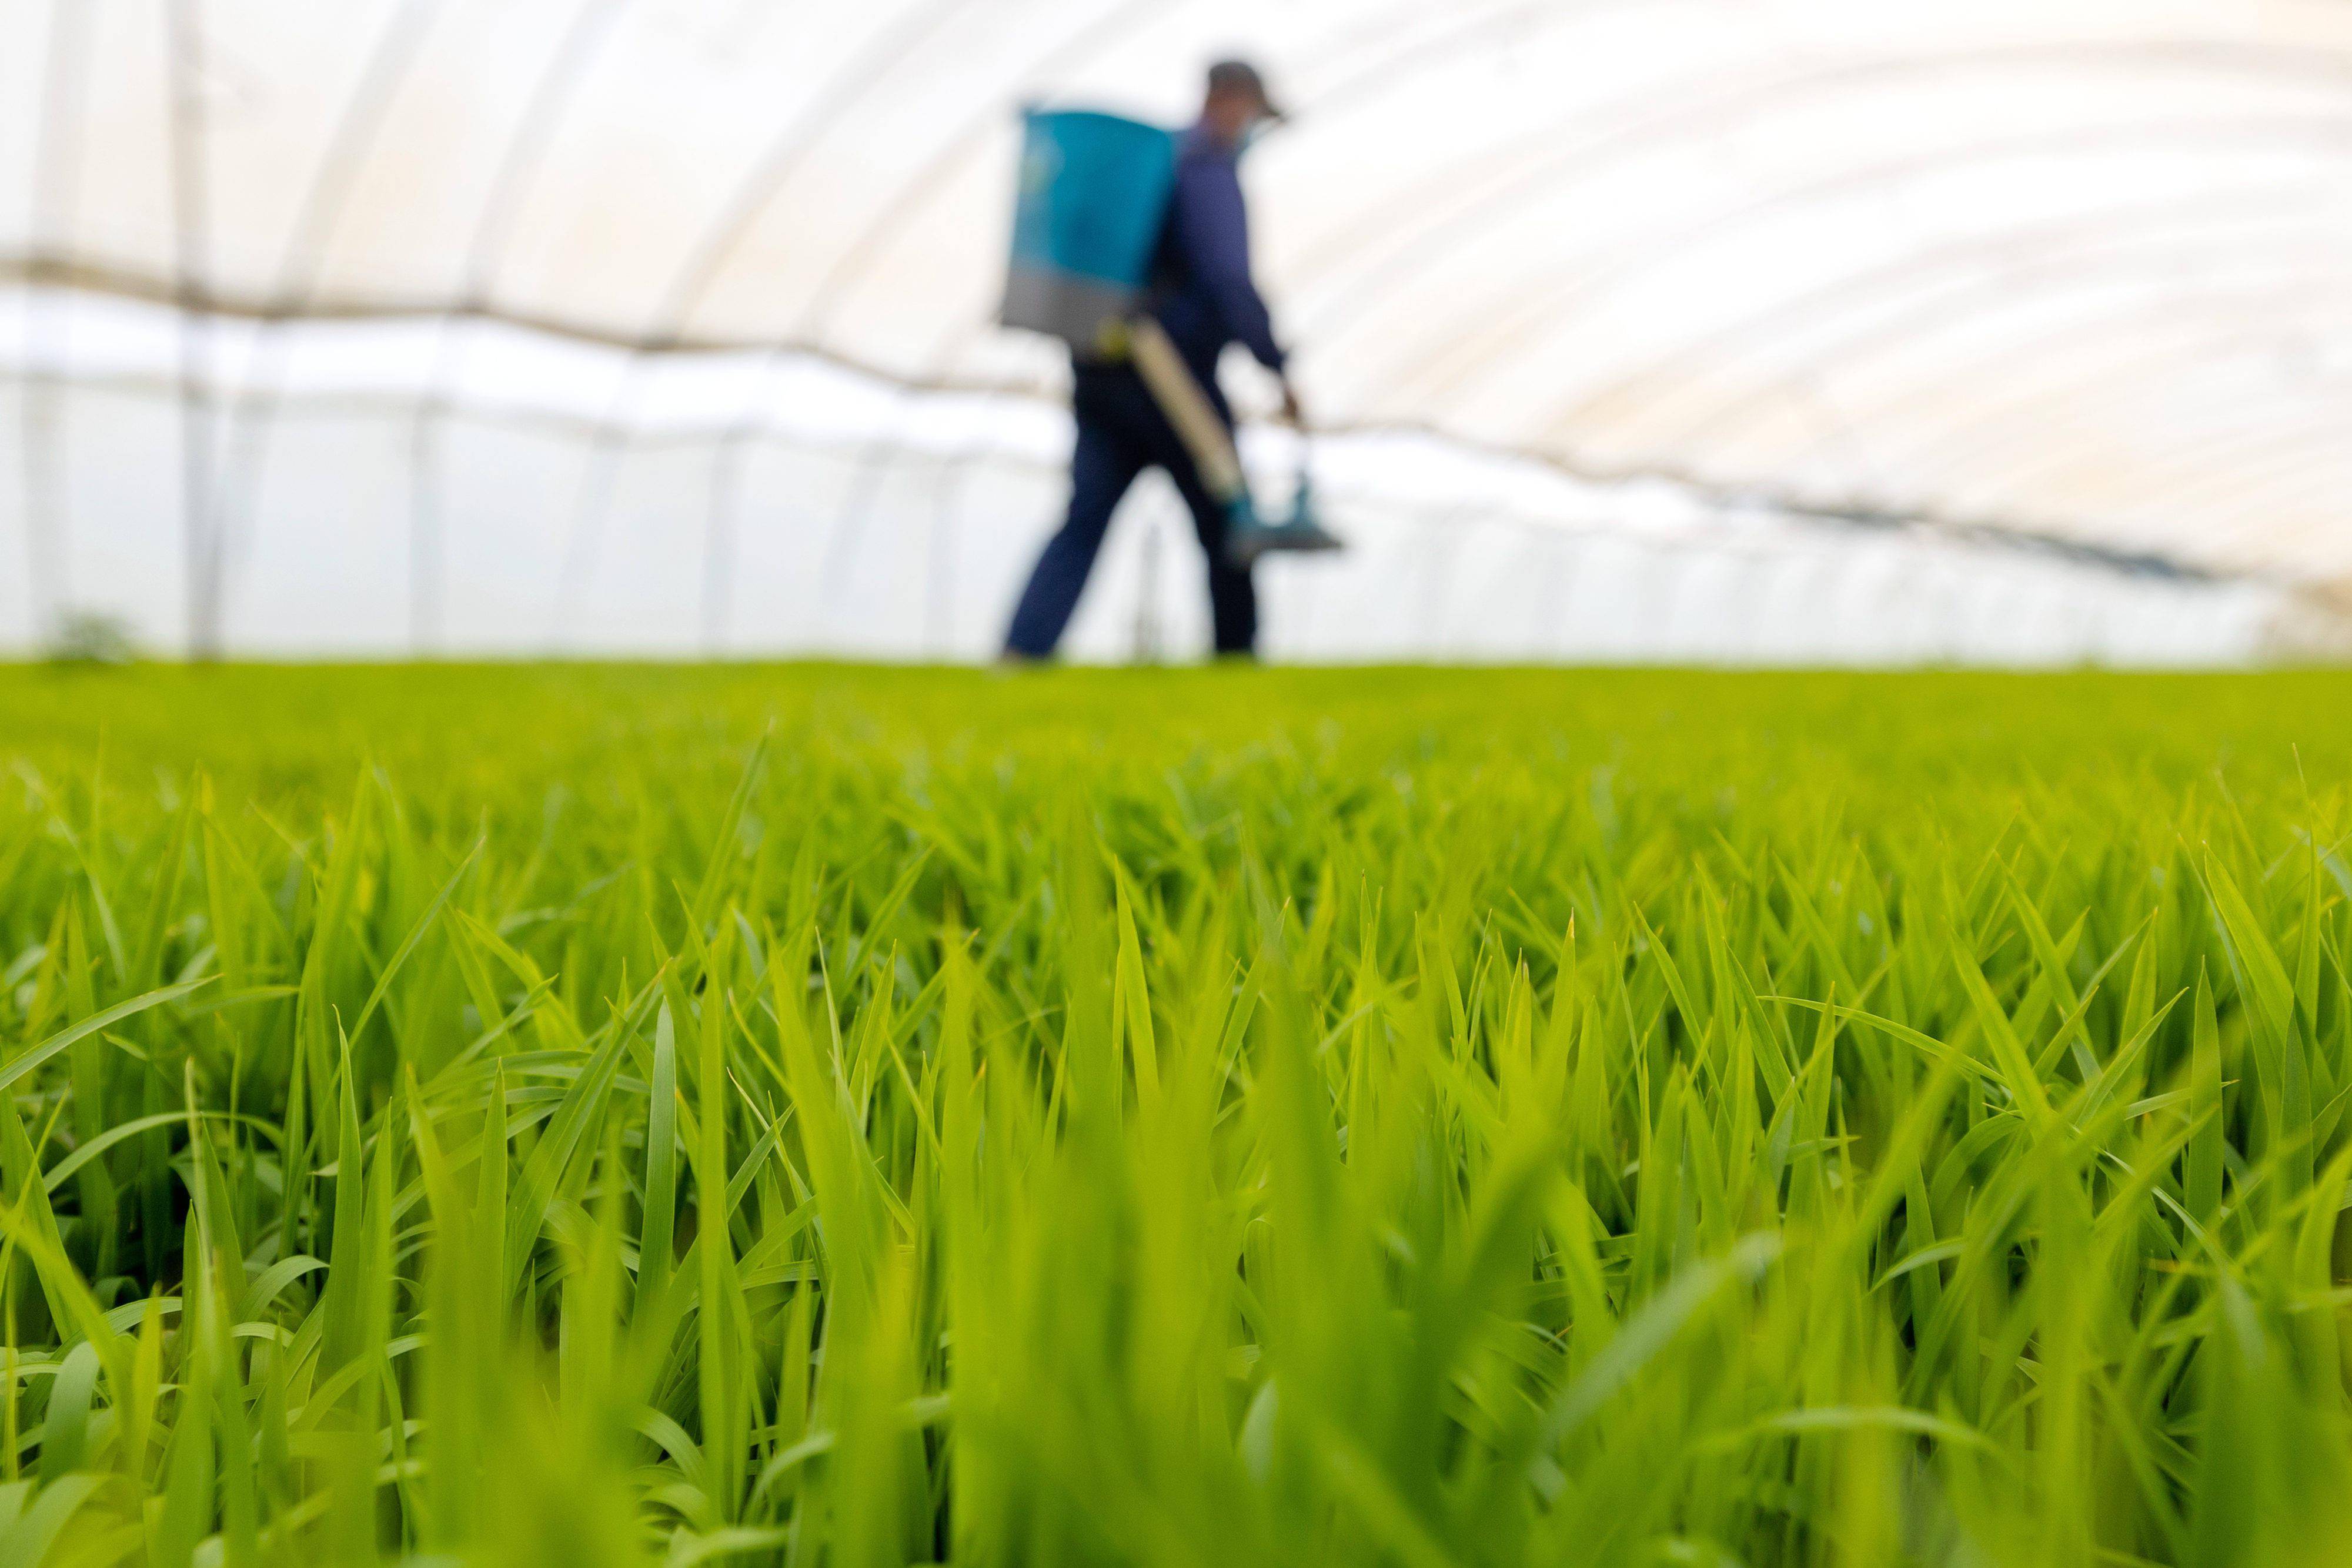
[1203, 297]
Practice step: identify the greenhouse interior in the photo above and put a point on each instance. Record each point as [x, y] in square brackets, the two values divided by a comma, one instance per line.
[1644, 331]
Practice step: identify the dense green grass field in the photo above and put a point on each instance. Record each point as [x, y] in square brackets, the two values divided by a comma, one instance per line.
[584, 1116]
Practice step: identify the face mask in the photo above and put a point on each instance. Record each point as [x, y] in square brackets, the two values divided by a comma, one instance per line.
[1253, 133]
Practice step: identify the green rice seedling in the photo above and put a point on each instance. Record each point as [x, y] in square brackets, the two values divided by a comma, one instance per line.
[859, 1117]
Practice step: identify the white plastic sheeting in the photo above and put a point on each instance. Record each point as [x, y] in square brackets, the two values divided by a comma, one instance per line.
[2071, 271]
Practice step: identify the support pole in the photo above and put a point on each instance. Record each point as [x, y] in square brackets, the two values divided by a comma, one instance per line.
[184, 82]
[56, 168]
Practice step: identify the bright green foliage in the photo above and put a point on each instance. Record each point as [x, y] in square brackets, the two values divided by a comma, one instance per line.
[819, 1117]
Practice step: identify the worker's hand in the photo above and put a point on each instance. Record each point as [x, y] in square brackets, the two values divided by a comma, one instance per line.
[1291, 410]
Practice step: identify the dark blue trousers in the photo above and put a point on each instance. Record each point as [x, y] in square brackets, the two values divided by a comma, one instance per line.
[1121, 433]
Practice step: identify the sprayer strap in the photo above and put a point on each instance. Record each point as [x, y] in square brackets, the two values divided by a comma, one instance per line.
[1172, 385]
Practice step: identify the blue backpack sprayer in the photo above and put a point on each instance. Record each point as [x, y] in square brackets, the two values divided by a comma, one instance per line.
[1094, 194]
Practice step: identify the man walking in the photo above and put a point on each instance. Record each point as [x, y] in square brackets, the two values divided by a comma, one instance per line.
[1203, 299]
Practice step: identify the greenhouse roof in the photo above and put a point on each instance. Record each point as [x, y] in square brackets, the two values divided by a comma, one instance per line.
[2080, 268]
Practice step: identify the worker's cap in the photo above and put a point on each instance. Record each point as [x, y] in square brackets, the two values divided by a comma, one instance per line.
[1240, 76]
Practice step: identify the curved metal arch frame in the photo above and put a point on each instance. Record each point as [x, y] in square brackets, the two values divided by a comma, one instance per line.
[781, 158]
[2202, 460]
[854, 501]
[686, 289]
[854, 261]
[1772, 80]
[2322, 282]
[2197, 459]
[2139, 315]
[2110, 541]
[1417, 245]
[349, 150]
[2197, 537]
[349, 153]
[1876, 412]
[1983, 299]
[867, 69]
[842, 537]
[1370, 84]
[2209, 328]
[185, 271]
[2265, 564]
[1540, 305]
[1907, 273]
[720, 526]
[535, 136]
[861, 495]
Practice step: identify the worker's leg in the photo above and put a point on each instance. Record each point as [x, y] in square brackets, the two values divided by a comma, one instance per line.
[1232, 598]
[1102, 465]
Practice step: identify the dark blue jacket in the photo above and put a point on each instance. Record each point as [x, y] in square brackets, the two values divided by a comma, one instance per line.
[1202, 291]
